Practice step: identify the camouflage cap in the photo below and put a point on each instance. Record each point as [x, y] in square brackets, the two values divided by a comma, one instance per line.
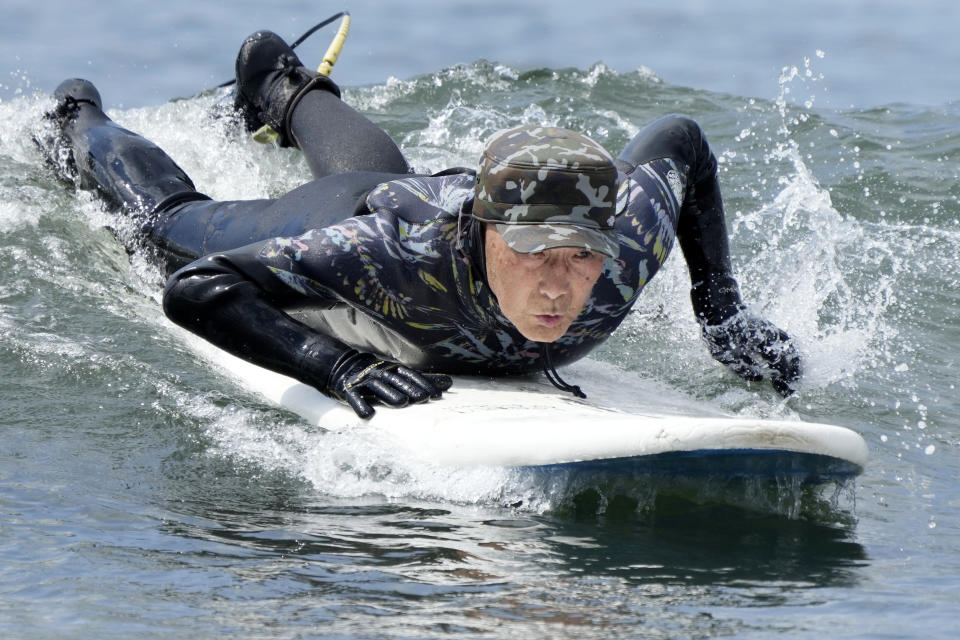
[546, 187]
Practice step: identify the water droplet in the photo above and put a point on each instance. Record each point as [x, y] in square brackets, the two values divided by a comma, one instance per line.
[930, 449]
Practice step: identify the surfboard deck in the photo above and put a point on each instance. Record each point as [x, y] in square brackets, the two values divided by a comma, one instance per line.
[627, 424]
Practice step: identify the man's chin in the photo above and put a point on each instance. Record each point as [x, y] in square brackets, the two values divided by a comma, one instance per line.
[540, 333]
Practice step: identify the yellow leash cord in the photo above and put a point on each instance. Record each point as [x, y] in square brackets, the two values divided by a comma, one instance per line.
[333, 51]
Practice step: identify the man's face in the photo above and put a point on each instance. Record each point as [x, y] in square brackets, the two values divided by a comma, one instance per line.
[540, 293]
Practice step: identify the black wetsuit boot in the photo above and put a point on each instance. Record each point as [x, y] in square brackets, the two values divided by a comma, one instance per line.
[305, 110]
[89, 149]
[271, 80]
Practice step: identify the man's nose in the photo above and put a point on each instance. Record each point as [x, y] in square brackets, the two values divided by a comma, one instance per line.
[555, 281]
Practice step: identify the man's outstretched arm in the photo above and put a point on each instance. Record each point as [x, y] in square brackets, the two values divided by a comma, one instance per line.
[750, 346]
[232, 300]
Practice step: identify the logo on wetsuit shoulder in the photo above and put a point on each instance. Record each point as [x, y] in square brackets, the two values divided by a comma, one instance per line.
[676, 185]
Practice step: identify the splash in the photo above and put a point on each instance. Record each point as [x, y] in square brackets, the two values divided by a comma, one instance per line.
[228, 166]
[350, 465]
[820, 274]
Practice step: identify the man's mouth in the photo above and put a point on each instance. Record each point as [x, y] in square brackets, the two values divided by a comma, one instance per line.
[549, 319]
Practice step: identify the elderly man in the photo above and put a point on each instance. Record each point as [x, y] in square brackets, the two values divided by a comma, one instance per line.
[371, 282]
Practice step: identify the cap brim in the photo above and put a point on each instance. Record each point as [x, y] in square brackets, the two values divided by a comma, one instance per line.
[531, 238]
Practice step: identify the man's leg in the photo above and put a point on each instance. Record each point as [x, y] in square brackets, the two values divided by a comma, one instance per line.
[335, 138]
[186, 231]
[304, 108]
[91, 150]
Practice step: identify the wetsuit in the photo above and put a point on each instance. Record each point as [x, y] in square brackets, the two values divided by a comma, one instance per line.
[401, 278]
[373, 257]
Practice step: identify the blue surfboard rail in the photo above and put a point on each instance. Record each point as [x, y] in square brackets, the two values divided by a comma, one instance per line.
[810, 468]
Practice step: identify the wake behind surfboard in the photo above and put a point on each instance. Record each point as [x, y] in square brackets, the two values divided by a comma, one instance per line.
[627, 426]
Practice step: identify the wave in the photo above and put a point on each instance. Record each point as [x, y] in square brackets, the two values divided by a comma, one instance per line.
[840, 223]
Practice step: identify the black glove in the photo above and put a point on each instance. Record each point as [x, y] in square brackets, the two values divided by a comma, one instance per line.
[361, 378]
[751, 346]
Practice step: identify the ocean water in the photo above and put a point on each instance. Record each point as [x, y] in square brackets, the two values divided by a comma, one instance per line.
[143, 494]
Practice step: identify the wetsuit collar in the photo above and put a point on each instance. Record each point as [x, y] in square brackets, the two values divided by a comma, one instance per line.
[470, 241]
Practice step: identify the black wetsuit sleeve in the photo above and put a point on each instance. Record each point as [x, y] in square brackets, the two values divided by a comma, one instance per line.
[701, 225]
[702, 234]
[232, 300]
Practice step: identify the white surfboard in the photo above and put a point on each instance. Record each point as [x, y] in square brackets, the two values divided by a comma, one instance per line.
[626, 424]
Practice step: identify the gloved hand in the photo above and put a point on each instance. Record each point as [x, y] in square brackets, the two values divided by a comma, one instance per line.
[361, 378]
[751, 346]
